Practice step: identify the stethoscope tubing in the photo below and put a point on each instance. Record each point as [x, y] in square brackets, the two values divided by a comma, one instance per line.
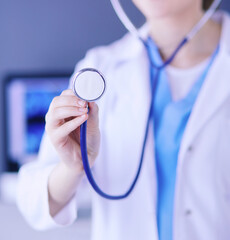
[88, 172]
[127, 23]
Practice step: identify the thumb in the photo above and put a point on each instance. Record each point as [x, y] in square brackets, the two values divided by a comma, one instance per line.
[93, 119]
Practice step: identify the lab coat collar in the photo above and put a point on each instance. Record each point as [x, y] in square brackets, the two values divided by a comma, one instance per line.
[224, 18]
[134, 47]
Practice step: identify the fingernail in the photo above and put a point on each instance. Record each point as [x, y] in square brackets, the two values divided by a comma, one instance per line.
[81, 103]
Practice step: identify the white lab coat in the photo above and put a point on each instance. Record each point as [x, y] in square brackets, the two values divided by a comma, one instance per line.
[202, 191]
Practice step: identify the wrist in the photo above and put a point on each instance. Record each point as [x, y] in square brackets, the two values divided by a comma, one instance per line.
[71, 171]
[62, 185]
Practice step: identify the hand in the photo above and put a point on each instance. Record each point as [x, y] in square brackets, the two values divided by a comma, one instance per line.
[63, 119]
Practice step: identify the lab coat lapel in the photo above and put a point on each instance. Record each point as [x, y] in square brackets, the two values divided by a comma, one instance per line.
[133, 70]
[143, 96]
[214, 92]
[141, 100]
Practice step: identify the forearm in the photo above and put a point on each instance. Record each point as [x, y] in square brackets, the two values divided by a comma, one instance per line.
[62, 185]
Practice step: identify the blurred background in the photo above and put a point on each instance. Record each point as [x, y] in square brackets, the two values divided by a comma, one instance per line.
[40, 43]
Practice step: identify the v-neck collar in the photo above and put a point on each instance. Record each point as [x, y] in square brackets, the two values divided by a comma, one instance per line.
[191, 96]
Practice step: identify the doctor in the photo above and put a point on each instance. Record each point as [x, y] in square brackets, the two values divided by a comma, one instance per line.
[184, 188]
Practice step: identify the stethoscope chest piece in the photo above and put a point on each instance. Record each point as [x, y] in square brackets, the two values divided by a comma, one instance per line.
[89, 84]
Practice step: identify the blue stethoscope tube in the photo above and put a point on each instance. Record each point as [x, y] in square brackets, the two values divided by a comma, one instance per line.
[87, 169]
[83, 128]
[85, 161]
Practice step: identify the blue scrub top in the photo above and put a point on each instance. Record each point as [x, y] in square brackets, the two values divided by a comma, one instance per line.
[170, 119]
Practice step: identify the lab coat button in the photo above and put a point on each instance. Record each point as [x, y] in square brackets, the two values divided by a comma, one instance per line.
[188, 212]
[190, 148]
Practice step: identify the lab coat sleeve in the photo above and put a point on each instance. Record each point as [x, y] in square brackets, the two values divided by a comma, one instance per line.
[32, 196]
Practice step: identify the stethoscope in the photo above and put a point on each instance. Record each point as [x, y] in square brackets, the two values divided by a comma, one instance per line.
[89, 84]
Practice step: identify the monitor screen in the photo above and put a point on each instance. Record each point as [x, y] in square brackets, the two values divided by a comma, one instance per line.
[27, 100]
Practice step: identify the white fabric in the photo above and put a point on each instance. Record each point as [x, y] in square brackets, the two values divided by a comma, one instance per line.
[182, 80]
[202, 194]
[33, 194]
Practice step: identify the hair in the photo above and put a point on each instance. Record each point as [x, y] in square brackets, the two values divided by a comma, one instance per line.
[207, 4]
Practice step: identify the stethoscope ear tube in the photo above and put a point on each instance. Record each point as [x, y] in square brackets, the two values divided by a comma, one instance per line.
[133, 30]
[83, 143]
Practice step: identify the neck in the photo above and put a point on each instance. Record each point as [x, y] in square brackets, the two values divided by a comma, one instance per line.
[176, 28]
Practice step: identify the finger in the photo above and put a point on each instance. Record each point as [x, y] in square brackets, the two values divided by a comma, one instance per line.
[93, 109]
[68, 92]
[67, 100]
[70, 126]
[71, 93]
[93, 115]
[67, 112]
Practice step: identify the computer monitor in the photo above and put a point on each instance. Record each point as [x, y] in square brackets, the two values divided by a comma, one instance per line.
[26, 101]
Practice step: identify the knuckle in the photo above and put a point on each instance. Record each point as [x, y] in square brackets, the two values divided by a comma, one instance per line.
[55, 113]
[67, 92]
[47, 117]
[71, 100]
[54, 102]
[47, 128]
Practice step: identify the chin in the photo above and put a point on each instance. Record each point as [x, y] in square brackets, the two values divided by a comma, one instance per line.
[154, 8]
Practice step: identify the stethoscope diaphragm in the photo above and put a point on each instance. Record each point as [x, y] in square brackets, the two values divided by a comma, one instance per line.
[89, 84]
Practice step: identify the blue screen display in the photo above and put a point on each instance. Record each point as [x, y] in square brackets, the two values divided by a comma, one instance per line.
[27, 102]
[36, 104]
